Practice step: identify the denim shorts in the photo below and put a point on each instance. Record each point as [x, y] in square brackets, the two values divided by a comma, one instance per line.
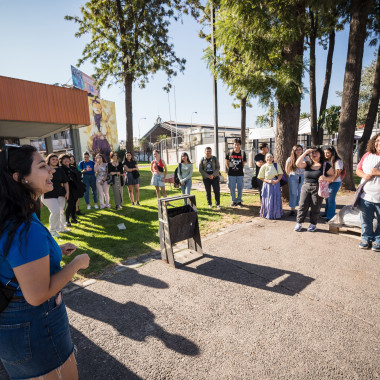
[34, 340]
[157, 180]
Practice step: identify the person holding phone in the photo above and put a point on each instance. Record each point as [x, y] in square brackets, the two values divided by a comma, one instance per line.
[35, 339]
[315, 168]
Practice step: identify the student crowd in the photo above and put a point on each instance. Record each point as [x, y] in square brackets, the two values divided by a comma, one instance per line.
[34, 329]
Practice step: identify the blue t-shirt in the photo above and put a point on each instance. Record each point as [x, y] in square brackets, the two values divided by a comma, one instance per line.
[87, 165]
[38, 244]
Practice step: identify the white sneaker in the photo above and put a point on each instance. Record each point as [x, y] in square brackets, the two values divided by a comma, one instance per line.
[96, 206]
[88, 207]
[218, 207]
[312, 228]
[209, 206]
[54, 234]
[298, 227]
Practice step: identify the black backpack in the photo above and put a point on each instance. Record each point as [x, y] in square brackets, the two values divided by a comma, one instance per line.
[176, 179]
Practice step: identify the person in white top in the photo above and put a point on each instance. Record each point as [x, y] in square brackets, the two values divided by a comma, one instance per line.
[336, 163]
[369, 170]
[296, 177]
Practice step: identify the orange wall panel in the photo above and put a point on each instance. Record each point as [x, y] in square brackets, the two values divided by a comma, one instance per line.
[30, 101]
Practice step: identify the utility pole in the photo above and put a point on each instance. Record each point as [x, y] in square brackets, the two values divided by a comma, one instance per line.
[215, 89]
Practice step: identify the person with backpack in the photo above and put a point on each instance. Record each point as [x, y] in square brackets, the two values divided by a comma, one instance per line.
[87, 168]
[271, 202]
[209, 168]
[336, 163]
[184, 173]
[235, 161]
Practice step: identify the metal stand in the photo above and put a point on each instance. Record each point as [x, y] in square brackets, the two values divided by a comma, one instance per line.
[178, 224]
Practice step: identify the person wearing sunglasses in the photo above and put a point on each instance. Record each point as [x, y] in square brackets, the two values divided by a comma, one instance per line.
[35, 339]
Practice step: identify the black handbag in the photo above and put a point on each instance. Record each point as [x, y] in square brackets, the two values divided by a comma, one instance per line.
[6, 293]
[109, 179]
[255, 184]
[135, 174]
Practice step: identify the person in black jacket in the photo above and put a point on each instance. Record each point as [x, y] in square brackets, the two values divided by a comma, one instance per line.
[55, 200]
[64, 162]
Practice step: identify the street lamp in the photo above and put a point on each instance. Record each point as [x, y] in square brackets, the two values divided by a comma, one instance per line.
[141, 118]
[191, 118]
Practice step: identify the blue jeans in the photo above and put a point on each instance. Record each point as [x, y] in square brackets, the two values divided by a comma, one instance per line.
[187, 187]
[34, 340]
[90, 181]
[330, 201]
[295, 184]
[367, 214]
[233, 182]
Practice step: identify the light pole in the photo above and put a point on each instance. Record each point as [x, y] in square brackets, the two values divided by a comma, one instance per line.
[191, 118]
[141, 118]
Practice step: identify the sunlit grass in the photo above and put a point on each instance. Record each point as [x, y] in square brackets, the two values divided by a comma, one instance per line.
[98, 234]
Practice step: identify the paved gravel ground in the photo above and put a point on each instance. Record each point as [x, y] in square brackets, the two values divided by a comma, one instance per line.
[264, 303]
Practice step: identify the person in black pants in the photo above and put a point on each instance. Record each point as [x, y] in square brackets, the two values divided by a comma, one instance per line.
[64, 161]
[316, 168]
[209, 167]
[260, 161]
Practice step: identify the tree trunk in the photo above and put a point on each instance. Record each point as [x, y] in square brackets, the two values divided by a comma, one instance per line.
[326, 85]
[313, 95]
[350, 97]
[243, 108]
[128, 112]
[289, 113]
[373, 109]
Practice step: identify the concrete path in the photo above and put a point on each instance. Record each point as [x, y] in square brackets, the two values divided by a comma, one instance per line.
[264, 303]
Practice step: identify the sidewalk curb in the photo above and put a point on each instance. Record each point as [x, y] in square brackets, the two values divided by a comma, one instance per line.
[139, 261]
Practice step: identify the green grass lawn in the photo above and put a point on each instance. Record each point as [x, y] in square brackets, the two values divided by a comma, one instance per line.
[98, 234]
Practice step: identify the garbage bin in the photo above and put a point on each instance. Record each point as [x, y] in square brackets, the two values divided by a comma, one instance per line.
[182, 222]
[177, 224]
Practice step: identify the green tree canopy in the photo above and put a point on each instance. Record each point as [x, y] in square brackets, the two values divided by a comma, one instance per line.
[130, 41]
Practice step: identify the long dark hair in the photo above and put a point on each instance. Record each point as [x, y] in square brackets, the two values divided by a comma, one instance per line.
[185, 154]
[321, 153]
[334, 155]
[18, 200]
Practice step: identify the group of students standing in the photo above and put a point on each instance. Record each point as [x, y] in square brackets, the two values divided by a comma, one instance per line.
[72, 181]
[209, 168]
[305, 170]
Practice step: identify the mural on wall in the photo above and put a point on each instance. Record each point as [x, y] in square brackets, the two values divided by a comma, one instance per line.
[101, 135]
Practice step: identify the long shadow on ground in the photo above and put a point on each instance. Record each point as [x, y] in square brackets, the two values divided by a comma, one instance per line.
[258, 276]
[131, 320]
[96, 364]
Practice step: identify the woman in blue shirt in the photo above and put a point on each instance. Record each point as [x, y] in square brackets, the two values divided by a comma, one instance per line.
[34, 332]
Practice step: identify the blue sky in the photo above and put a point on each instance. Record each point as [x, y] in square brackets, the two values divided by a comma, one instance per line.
[37, 44]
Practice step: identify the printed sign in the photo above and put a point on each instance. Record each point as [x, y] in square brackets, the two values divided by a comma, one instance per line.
[84, 82]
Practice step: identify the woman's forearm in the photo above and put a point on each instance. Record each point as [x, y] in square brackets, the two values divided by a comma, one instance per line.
[300, 159]
[59, 280]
